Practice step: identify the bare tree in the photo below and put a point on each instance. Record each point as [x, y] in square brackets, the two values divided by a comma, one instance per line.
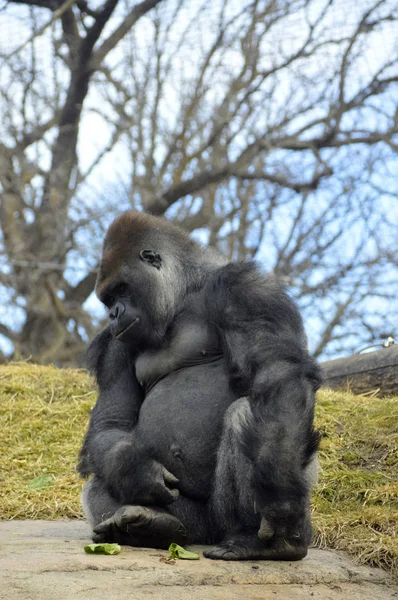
[266, 128]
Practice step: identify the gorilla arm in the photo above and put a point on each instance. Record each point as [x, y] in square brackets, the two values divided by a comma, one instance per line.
[111, 449]
[265, 347]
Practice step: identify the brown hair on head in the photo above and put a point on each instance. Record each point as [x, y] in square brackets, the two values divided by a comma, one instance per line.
[132, 226]
[132, 231]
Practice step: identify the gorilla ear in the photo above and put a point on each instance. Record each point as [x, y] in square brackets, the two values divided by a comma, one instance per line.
[151, 257]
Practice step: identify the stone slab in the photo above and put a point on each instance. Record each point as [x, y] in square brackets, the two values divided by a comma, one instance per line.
[46, 560]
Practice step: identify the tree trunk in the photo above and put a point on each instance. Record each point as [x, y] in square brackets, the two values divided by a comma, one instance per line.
[363, 373]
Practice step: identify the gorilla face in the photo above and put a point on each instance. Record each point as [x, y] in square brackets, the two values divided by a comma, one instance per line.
[142, 277]
[138, 295]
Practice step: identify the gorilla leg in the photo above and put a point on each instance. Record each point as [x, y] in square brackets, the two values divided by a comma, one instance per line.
[142, 526]
[230, 519]
[244, 534]
[98, 505]
[199, 524]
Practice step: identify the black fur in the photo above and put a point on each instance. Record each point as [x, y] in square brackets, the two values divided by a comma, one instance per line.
[206, 401]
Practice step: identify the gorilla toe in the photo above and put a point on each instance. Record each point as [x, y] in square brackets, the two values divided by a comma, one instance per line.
[251, 548]
[140, 526]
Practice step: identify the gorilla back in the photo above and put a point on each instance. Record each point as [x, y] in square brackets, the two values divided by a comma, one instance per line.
[203, 427]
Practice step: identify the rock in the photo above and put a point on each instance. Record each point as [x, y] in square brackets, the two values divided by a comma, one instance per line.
[45, 560]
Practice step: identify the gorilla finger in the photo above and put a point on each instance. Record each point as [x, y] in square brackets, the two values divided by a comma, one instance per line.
[99, 538]
[104, 526]
[169, 477]
[132, 514]
[266, 530]
[163, 495]
[175, 493]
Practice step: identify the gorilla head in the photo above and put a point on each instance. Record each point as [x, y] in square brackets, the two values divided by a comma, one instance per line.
[148, 266]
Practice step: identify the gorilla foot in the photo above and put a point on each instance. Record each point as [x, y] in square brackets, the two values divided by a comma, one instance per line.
[249, 547]
[140, 526]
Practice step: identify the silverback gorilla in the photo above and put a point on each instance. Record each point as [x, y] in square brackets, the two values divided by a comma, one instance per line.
[203, 428]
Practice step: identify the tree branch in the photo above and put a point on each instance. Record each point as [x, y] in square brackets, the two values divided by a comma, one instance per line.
[80, 292]
[51, 4]
[95, 31]
[57, 14]
[160, 204]
[37, 133]
[136, 13]
[8, 333]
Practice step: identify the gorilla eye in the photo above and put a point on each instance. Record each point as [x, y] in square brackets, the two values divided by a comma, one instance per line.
[108, 300]
[120, 290]
[151, 257]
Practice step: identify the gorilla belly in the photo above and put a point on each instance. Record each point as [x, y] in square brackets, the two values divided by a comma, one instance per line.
[181, 420]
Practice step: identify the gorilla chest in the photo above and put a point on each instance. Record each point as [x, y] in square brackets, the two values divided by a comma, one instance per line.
[181, 418]
[193, 344]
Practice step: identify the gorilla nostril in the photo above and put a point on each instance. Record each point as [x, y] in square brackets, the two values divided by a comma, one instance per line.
[116, 311]
[113, 313]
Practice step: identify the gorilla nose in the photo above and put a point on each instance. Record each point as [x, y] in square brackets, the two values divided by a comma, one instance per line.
[116, 311]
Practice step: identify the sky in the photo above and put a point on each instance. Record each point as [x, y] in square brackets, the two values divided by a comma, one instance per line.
[14, 31]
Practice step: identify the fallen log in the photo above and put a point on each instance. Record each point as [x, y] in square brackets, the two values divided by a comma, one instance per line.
[362, 373]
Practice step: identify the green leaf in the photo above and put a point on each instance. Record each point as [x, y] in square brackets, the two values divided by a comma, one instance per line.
[41, 482]
[177, 551]
[102, 549]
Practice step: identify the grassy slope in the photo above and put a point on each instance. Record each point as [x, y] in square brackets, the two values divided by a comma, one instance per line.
[44, 413]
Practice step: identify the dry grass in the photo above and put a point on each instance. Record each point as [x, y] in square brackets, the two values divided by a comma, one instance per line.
[355, 507]
[44, 413]
[43, 416]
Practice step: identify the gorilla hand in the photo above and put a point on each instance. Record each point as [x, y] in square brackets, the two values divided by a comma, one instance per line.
[286, 525]
[135, 478]
[151, 484]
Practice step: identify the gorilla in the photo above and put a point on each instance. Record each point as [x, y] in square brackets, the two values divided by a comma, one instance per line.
[203, 427]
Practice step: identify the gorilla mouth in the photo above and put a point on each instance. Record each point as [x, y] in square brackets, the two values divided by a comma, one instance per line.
[126, 329]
